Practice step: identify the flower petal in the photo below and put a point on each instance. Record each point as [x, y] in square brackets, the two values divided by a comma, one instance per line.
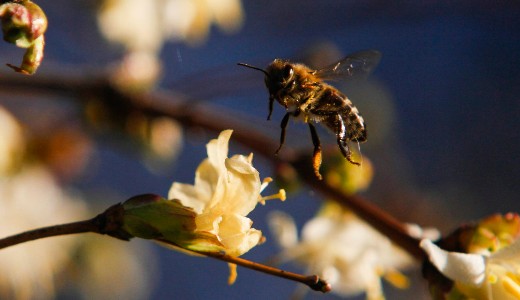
[242, 186]
[236, 234]
[218, 149]
[187, 195]
[462, 267]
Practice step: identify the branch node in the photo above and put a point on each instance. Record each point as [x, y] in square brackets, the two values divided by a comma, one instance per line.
[110, 222]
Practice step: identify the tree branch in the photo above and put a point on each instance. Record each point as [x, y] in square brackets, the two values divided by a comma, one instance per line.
[183, 109]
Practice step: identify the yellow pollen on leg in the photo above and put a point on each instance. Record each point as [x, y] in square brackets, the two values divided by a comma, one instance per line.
[232, 273]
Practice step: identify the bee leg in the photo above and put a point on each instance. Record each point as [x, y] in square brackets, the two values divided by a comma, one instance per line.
[283, 125]
[271, 102]
[342, 142]
[316, 155]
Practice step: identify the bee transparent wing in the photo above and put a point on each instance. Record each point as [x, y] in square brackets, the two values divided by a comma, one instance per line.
[356, 65]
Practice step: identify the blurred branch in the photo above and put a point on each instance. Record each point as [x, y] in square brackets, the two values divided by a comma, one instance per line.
[180, 107]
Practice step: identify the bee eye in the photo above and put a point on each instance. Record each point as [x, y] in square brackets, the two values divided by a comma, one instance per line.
[288, 72]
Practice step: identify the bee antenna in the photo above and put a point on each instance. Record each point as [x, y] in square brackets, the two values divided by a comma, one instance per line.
[253, 67]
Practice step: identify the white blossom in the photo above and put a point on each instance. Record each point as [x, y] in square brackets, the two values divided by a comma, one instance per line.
[343, 250]
[225, 191]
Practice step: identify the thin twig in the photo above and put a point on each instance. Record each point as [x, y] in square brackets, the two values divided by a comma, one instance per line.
[56, 230]
[312, 281]
[108, 222]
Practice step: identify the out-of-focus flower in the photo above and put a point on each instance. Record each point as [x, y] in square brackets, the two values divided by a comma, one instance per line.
[343, 250]
[190, 20]
[106, 268]
[28, 200]
[24, 24]
[12, 147]
[138, 71]
[144, 26]
[30, 197]
[488, 264]
[348, 177]
[162, 140]
[210, 215]
[94, 267]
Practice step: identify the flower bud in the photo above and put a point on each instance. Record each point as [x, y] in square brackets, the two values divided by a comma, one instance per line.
[23, 24]
[153, 217]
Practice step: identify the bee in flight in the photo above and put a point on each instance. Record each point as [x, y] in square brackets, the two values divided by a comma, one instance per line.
[305, 95]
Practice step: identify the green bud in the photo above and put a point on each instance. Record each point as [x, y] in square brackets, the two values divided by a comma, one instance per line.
[153, 217]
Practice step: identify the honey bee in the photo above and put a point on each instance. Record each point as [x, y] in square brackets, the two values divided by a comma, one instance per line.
[304, 94]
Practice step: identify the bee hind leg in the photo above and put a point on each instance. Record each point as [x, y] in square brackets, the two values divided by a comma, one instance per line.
[283, 125]
[342, 143]
[316, 155]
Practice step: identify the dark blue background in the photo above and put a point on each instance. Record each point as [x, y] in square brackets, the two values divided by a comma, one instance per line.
[451, 72]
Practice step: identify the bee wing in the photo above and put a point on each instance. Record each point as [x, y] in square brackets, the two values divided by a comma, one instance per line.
[355, 65]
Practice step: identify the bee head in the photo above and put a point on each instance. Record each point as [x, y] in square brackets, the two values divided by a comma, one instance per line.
[281, 74]
[278, 75]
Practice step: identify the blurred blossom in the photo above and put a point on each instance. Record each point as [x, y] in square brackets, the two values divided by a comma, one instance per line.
[340, 248]
[12, 146]
[346, 176]
[144, 26]
[28, 200]
[106, 268]
[190, 20]
[137, 71]
[30, 197]
[487, 263]
[135, 24]
[164, 141]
